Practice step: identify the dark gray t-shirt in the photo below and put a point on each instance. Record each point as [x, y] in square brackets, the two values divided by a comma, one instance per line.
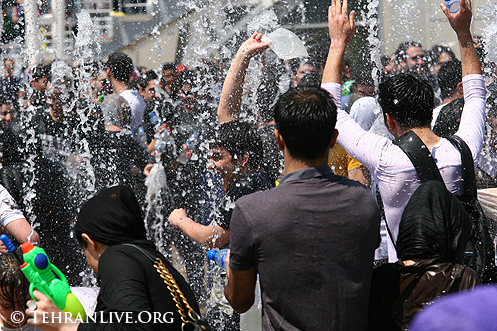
[312, 240]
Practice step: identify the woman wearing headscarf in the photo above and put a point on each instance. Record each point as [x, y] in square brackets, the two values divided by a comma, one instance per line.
[111, 231]
[433, 233]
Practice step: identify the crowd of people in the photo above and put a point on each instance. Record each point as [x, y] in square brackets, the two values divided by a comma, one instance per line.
[318, 188]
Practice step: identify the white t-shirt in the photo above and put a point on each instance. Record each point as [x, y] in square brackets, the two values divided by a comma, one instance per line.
[137, 105]
[9, 211]
[391, 168]
[436, 112]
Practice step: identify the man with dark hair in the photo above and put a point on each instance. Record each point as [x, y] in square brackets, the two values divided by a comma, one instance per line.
[305, 229]
[168, 79]
[410, 57]
[450, 83]
[119, 68]
[407, 102]
[236, 156]
[9, 85]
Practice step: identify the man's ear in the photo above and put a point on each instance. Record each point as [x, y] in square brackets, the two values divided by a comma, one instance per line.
[243, 160]
[390, 122]
[279, 139]
[334, 137]
[459, 88]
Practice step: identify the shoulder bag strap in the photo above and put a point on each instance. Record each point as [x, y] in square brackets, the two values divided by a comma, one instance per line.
[468, 166]
[419, 155]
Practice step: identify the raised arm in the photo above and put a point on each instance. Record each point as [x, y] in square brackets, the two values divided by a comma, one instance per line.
[461, 24]
[472, 125]
[341, 29]
[231, 96]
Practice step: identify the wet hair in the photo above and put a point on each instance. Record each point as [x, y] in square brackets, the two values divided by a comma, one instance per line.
[120, 65]
[147, 78]
[385, 60]
[13, 284]
[408, 99]
[449, 75]
[237, 138]
[306, 118]
[41, 71]
[7, 59]
[438, 50]
[401, 52]
[168, 66]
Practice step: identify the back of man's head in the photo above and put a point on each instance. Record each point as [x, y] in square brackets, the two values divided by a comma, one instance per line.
[120, 66]
[408, 99]
[449, 76]
[41, 71]
[306, 118]
[238, 138]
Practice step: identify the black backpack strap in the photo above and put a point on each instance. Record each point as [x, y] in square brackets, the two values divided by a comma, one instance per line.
[468, 166]
[419, 155]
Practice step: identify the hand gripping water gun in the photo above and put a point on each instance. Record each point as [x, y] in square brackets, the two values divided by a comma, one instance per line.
[41, 275]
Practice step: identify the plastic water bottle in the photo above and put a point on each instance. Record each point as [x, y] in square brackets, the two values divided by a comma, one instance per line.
[452, 5]
[154, 119]
[218, 256]
[162, 140]
[188, 148]
[141, 137]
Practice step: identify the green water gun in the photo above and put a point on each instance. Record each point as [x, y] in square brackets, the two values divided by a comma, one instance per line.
[41, 275]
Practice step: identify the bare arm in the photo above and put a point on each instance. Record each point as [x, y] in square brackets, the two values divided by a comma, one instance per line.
[461, 24]
[341, 29]
[21, 229]
[231, 96]
[240, 288]
[210, 236]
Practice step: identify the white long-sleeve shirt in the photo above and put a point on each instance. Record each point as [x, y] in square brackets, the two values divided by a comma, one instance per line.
[391, 168]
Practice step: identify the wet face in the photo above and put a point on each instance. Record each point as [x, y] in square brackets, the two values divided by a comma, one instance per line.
[302, 71]
[220, 161]
[365, 90]
[415, 57]
[102, 84]
[9, 67]
[443, 58]
[168, 76]
[190, 97]
[40, 84]
[5, 115]
[149, 92]
[92, 257]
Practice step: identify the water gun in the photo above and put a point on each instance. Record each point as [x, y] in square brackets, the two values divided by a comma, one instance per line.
[41, 275]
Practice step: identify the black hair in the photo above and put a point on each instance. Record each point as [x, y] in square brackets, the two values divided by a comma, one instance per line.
[8, 59]
[237, 138]
[449, 75]
[439, 50]
[168, 66]
[385, 60]
[41, 71]
[120, 66]
[306, 118]
[408, 99]
[13, 284]
[401, 52]
[149, 76]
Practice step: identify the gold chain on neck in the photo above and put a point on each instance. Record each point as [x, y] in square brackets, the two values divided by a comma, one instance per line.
[190, 316]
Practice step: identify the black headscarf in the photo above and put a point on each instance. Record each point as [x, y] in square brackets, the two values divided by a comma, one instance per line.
[112, 217]
[434, 225]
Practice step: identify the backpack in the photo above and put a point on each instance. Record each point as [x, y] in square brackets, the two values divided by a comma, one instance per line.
[480, 252]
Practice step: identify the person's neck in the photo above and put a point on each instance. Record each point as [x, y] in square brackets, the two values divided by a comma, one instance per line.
[292, 164]
[425, 134]
[451, 98]
[118, 86]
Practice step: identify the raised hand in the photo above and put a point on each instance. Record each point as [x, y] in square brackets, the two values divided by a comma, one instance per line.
[341, 25]
[253, 46]
[460, 21]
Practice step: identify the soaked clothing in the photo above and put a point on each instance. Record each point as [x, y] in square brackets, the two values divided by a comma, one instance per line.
[391, 168]
[273, 158]
[247, 185]
[312, 247]
[137, 105]
[9, 211]
[130, 283]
